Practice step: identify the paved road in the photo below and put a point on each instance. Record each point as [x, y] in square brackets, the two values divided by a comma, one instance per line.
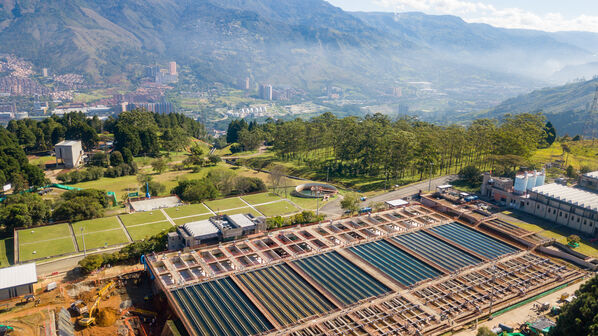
[334, 209]
[66, 264]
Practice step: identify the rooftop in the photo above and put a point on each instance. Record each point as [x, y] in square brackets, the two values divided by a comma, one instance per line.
[397, 202]
[593, 175]
[18, 275]
[242, 220]
[156, 203]
[68, 143]
[201, 228]
[573, 196]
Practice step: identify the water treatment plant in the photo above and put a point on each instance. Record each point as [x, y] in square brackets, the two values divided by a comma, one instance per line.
[407, 271]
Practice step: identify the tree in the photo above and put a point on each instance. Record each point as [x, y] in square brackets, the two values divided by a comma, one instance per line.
[351, 202]
[155, 188]
[571, 172]
[127, 155]
[159, 165]
[99, 159]
[214, 159]
[195, 191]
[485, 331]
[277, 173]
[573, 239]
[91, 263]
[471, 175]
[116, 158]
[579, 316]
[550, 133]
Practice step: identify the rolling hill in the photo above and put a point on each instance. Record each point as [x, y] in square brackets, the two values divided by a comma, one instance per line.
[301, 43]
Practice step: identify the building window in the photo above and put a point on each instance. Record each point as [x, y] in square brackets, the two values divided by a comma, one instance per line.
[538, 206]
[561, 213]
[578, 219]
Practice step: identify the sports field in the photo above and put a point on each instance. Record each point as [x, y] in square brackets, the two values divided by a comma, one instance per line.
[55, 240]
[187, 210]
[6, 252]
[277, 209]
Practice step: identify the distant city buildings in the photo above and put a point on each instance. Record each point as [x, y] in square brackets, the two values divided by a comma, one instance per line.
[403, 109]
[397, 92]
[45, 72]
[265, 92]
[162, 108]
[172, 67]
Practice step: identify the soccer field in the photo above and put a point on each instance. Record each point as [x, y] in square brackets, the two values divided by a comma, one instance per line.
[261, 198]
[142, 218]
[187, 210]
[47, 248]
[227, 203]
[144, 231]
[43, 233]
[277, 209]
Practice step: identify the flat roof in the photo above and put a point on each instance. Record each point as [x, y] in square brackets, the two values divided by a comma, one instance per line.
[397, 202]
[444, 186]
[593, 175]
[241, 220]
[68, 143]
[18, 275]
[573, 196]
[201, 228]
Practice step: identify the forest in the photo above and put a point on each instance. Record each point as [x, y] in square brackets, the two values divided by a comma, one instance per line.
[377, 146]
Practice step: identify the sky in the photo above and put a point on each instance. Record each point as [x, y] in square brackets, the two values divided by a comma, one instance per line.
[548, 15]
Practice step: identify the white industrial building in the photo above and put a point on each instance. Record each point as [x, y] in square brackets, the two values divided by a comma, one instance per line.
[17, 281]
[574, 207]
[217, 228]
[69, 154]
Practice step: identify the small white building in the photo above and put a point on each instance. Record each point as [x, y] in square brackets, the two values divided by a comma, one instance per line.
[69, 153]
[17, 281]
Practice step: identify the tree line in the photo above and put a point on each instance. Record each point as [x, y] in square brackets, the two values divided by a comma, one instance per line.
[139, 132]
[377, 146]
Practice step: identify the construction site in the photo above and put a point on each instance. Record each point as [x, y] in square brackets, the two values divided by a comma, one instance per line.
[414, 270]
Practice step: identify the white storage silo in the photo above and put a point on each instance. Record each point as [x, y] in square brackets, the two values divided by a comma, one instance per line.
[520, 183]
[531, 180]
[541, 178]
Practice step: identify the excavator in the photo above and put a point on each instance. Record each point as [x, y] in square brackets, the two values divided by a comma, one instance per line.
[88, 318]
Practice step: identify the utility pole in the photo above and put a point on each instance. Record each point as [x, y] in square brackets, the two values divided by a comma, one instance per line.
[83, 237]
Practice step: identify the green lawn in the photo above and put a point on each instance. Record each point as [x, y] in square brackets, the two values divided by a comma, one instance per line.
[277, 209]
[100, 239]
[240, 211]
[142, 217]
[224, 204]
[6, 252]
[46, 249]
[145, 231]
[186, 220]
[261, 198]
[99, 224]
[187, 210]
[556, 231]
[44, 233]
[308, 203]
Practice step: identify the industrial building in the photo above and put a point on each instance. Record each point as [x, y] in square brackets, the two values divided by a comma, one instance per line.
[575, 207]
[69, 154]
[404, 271]
[17, 281]
[217, 228]
[572, 207]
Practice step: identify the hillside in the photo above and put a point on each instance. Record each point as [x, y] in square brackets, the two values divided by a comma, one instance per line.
[299, 43]
[566, 106]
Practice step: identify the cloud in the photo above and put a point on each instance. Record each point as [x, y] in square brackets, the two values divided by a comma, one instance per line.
[474, 11]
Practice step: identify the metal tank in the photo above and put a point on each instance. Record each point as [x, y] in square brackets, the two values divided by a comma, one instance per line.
[520, 183]
[531, 180]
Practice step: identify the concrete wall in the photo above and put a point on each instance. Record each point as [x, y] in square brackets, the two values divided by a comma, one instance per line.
[70, 155]
[561, 213]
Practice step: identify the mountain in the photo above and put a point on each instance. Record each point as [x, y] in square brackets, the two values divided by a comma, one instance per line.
[301, 43]
[529, 52]
[565, 106]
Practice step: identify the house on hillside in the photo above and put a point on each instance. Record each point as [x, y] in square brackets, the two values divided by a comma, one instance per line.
[69, 154]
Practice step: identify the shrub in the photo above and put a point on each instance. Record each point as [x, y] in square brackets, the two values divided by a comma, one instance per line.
[91, 263]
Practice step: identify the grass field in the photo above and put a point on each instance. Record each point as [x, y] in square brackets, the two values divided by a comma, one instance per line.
[277, 209]
[261, 198]
[48, 248]
[582, 153]
[185, 220]
[95, 240]
[38, 234]
[553, 230]
[99, 224]
[6, 252]
[145, 231]
[240, 211]
[142, 218]
[227, 203]
[187, 210]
